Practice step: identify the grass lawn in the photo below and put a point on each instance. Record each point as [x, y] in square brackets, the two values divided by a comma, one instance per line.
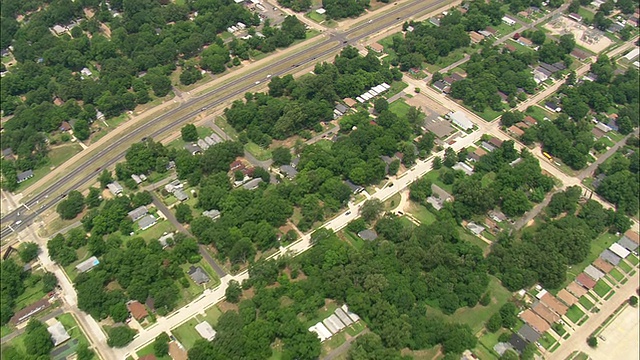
[392, 202]
[30, 295]
[5, 330]
[602, 288]
[321, 314]
[488, 114]
[465, 235]
[335, 341]
[313, 15]
[257, 151]
[56, 157]
[228, 129]
[149, 350]
[633, 259]
[400, 108]
[154, 232]
[421, 213]
[354, 240]
[597, 246]
[539, 113]
[625, 267]
[559, 329]
[488, 178]
[396, 87]
[434, 177]
[616, 275]
[187, 334]
[72, 328]
[586, 14]
[356, 328]
[486, 342]
[547, 340]
[575, 313]
[585, 302]
[212, 315]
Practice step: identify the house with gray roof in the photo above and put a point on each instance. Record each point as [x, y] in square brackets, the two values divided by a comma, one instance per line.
[58, 333]
[137, 213]
[147, 222]
[24, 176]
[627, 243]
[206, 331]
[212, 214]
[164, 239]
[288, 171]
[180, 195]
[203, 144]
[593, 272]
[88, 264]
[610, 257]
[193, 148]
[475, 228]
[198, 275]
[528, 333]
[7, 152]
[356, 189]
[252, 184]
[115, 188]
[368, 234]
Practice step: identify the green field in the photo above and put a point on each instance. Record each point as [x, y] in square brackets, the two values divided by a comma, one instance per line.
[257, 151]
[400, 108]
[465, 235]
[433, 176]
[539, 113]
[575, 314]
[187, 334]
[319, 18]
[392, 202]
[488, 114]
[354, 240]
[396, 87]
[421, 213]
[602, 288]
[212, 315]
[633, 259]
[585, 302]
[586, 14]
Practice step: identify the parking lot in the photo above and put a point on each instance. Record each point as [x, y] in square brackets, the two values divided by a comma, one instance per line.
[267, 10]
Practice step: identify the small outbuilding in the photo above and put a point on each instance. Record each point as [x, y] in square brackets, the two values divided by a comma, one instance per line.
[206, 331]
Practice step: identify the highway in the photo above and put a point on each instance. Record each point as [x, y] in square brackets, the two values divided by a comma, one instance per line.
[334, 41]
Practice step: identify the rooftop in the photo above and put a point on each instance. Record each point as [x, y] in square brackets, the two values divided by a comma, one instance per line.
[198, 275]
[368, 234]
[88, 264]
[137, 310]
[206, 331]
[58, 333]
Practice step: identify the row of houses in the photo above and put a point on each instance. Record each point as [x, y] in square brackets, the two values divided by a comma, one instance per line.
[544, 71]
[373, 92]
[444, 85]
[202, 144]
[340, 319]
[176, 188]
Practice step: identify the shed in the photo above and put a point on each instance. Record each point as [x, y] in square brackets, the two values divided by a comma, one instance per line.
[593, 273]
[58, 333]
[567, 297]
[602, 265]
[198, 275]
[147, 222]
[585, 281]
[252, 184]
[535, 321]
[25, 175]
[528, 333]
[554, 304]
[206, 331]
[619, 250]
[88, 264]
[368, 234]
[136, 178]
[461, 120]
[137, 213]
[115, 188]
[610, 257]
[137, 310]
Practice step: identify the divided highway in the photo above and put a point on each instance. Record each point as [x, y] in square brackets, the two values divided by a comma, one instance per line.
[335, 40]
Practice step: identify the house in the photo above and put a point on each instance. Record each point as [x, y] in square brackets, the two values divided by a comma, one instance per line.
[527, 333]
[485, 33]
[493, 141]
[252, 184]
[349, 102]
[576, 17]
[590, 77]
[554, 304]
[602, 265]
[619, 250]
[566, 297]
[479, 152]
[58, 29]
[633, 236]
[180, 195]
[536, 322]
[164, 240]
[509, 21]
[356, 189]
[7, 153]
[24, 176]
[27, 312]
[434, 21]
[597, 133]
[552, 106]
[88, 264]
[137, 310]
[289, 171]
[86, 72]
[497, 215]
[136, 178]
[476, 37]
[504, 97]
[522, 125]
[367, 234]
[237, 165]
[541, 74]
[342, 315]
[206, 331]
[115, 188]
[473, 157]
[468, 170]
[492, 226]
[376, 47]
[193, 149]
[610, 257]
[198, 275]
[515, 131]
[65, 126]
[603, 127]
[137, 213]
[340, 109]
[202, 144]
[475, 228]
[173, 186]
[517, 342]
[211, 214]
[593, 272]
[147, 222]
[585, 281]
[322, 331]
[530, 120]
[441, 85]
[461, 120]
[615, 27]
[321, 11]
[579, 54]
[524, 41]
[577, 290]
[632, 55]
[58, 333]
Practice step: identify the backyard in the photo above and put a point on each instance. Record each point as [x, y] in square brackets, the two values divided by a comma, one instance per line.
[575, 314]
[602, 288]
[187, 334]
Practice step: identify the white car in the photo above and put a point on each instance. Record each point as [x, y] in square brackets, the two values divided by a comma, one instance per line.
[268, 76]
[257, 82]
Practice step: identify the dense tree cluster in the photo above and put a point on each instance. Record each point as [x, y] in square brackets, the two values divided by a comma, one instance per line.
[620, 186]
[292, 106]
[339, 9]
[12, 286]
[491, 71]
[70, 207]
[514, 188]
[147, 38]
[543, 256]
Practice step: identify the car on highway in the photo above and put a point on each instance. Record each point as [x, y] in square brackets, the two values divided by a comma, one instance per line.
[369, 22]
[268, 76]
[18, 222]
[257, 82]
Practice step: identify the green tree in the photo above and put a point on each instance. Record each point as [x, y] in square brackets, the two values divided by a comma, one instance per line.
[71, 206]
[508, 314]
[49, 281]
[380, 105]
[94, 198]
[592, 342]
[394, 166]
[28, 251]
[281, 156]
[183, 213]
[120, 336]
[494, 323]
[420, 190]
[371, 209]
[233, 292]
[38, 338]
[105, 178]
[81, 129]
[161, 345]
[189, 133]
[633, 301]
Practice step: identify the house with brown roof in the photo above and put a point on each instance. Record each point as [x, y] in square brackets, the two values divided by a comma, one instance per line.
[566, 297]
[597, 133]
[524, 41]
[65, 126]
[349, 102]
[535, 321]
[137, 310]
[522, 125]
[585, 281]
[491, 30]
[26, 313]
[510, 47]
[376, 47]
[516, 131]
[492, 226]
[475, 37]
[529, 120]
[604, 266]
[579, 54]
[545, 313]
[577, 290]
[148, 357]
[495, 142]
[633, 236]
[554, 304]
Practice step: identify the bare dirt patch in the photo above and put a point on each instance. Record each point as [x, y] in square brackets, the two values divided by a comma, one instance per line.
[591, 39]
[227, 306]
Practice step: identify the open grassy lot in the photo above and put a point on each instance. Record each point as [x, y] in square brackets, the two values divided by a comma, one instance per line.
[31, 294]
[539, 113]
[212, 315]
[313, 15]
[228, 129]
[399, 107]
[602, 288]
[187, 334]
[392, 202]
[421, 213]
[616, 275]
[465, 235]
[149, 350]
[354, 240]
[488, 114]
[257, 151]
[396, 87]
[56, 157]
[433, 176]
[575, 314]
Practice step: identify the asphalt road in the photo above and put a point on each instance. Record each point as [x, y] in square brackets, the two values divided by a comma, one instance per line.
[333, 42]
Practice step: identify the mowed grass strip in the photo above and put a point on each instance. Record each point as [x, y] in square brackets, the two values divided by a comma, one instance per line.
[575, 314]
[602, 288]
